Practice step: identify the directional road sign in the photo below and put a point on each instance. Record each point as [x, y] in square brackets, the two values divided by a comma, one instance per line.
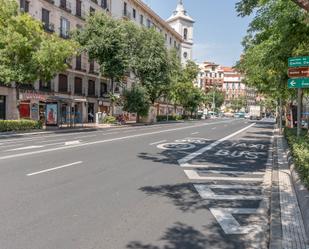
[298, 72]
[298, 83]
[299, 61]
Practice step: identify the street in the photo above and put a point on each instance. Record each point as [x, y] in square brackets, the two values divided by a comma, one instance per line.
[191, 185]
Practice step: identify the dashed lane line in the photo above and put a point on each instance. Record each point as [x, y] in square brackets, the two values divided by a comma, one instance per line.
[55, 168]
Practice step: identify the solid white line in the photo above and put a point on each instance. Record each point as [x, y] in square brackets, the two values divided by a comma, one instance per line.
[52, 169]
[209, 147]
[159, 142]
[107, 140]
[231, 172]
[214, 128]
[194, 133]
[72, 142]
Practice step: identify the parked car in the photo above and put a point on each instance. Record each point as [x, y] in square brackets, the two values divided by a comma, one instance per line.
[247, 115]
[239, 115]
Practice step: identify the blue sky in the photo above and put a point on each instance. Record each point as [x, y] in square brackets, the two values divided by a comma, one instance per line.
[218, 29]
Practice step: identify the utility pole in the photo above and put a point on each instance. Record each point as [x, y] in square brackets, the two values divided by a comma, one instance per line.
[213, 103]
[299, 111]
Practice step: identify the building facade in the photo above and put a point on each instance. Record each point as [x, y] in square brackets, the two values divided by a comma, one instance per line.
[233, 87]
[211, 76]
[81, 89]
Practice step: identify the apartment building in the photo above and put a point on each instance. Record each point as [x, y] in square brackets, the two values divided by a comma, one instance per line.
[81, 89]
[210, 76]
[233, 87]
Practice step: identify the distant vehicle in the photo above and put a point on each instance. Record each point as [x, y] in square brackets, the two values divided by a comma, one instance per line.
[228, 114]
[239, 115]
[255, 112]
[247, 115]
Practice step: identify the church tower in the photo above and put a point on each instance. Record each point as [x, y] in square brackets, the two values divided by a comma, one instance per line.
[183, 24]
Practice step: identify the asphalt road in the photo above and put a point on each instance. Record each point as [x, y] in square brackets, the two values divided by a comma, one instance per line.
[176, 186]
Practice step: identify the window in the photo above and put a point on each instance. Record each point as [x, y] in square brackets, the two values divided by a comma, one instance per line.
[63, 83]
[142, 19]
[78, 65]
[91, 66]
[185, 34]
[2, 107]
[165, 37]
[24, 6]
[79, 8]
[148, 23]
[134, 13]
[78, 86]
[175, 44]
[104, 4]
[170, 40]
[45, 86]
[91, 88]
[45, 18]
[103, 88]
[125, 9]
[185, 55]
[64, 28]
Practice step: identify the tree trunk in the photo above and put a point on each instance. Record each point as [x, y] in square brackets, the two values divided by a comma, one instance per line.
[137, 118]
[112, 101]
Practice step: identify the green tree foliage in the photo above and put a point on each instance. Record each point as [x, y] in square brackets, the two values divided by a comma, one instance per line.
[216, 95]
[238, 103]
[27, 53]
[136, 100]
[103, 38]
[151, 64]
[279, 30]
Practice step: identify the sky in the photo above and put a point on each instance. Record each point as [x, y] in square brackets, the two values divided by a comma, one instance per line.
[218, 31]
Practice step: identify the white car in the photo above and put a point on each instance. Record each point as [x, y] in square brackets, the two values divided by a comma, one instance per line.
[247, 116]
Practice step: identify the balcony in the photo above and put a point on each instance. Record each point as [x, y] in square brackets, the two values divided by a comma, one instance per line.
[126, 15]
[49, 27]
[65, 6]
[65, 34]
[50, 1]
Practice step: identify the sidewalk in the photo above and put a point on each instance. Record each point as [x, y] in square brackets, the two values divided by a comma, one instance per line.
[291, 233]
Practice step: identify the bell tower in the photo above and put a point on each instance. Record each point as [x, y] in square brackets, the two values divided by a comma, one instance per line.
[183, 24]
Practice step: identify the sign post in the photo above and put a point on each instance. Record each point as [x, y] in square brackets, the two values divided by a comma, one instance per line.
[299, 79]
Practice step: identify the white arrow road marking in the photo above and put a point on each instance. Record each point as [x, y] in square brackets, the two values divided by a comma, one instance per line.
[229, 224]
[209, 147]
[206, 192]
[52, 169]
[72, 142]
[193, 175]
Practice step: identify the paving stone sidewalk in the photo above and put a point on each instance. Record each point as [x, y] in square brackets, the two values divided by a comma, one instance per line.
[293, 231]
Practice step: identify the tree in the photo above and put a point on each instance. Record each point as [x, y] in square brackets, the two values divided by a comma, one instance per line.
[103, 38]
[136, 100]
[238, 103]
[27, 53]
[150, 63]
[214, 95]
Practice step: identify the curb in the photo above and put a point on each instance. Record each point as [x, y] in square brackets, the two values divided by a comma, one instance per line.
[275, 210]
[302, 192]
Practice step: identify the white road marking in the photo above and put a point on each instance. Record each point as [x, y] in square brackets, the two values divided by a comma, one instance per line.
[188, 165]
[55, 168]
[86, 136]
[229, 224]
[194, 133]
[27, 148]
[10, 145]
[231, 172]
[206, 192]
[176, 146]
[193, 175]
[209, 147]
[72, 142]
[107, 140]
[214, 128]
[159, 142]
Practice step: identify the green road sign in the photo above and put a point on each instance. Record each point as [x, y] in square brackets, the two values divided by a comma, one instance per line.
[298, 83]
[299, 61]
